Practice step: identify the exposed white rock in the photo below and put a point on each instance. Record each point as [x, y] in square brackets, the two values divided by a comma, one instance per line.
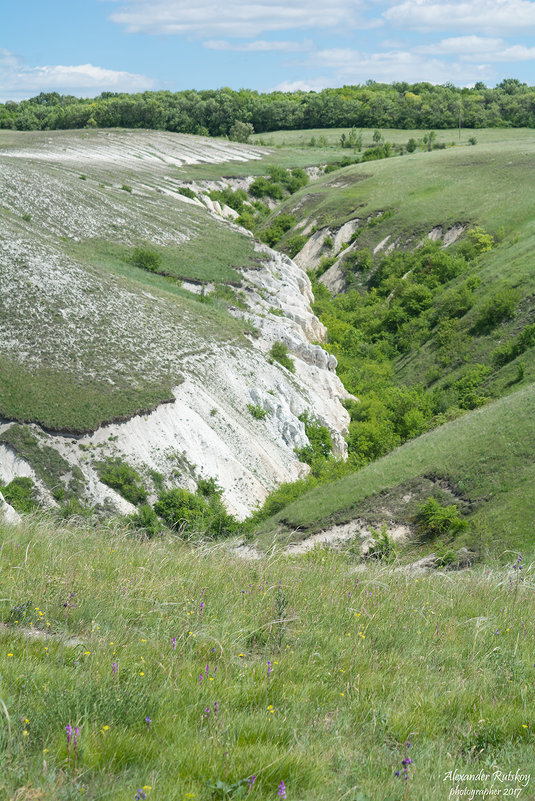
[7, 513]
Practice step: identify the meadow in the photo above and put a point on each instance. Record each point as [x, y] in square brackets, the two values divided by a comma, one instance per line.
[173, 670]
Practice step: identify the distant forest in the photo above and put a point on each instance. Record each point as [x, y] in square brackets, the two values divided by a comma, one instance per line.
[224, 112]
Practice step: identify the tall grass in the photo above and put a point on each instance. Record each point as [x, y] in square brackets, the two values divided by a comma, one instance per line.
[101, 632]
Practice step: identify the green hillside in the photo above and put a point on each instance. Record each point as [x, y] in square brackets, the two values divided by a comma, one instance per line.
[483, 462]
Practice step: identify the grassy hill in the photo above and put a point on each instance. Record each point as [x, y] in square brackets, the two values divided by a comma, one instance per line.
[482, 461]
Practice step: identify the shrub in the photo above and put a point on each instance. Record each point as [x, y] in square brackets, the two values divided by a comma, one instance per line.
[187, 512]
[241, 132]
[146, 259]
[295, 244]
[433, 519]
[515, 347]
[126, 188]
[499, 307]
[381, 546]
[279, 352]
[20, 494]
[258, 412]
[412, 144]
[320, 442]
[145, 522]
[121, 477]
[187, 192]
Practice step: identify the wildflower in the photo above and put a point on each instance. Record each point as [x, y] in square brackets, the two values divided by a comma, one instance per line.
[105, 728]
[216, 709]
[115, 669]
[281, 792]
[68, 729]
[201, 678]
[173, 642]
[25, 733]
[251, 780]
[269, 667]
[140, 796]
[148, 721]
[206, 712]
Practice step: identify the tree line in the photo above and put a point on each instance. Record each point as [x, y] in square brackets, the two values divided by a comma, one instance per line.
[225, 112]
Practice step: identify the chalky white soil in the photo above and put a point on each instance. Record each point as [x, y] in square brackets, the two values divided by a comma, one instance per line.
[57, 311]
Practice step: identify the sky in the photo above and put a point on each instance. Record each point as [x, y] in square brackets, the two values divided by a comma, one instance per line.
[84, 47]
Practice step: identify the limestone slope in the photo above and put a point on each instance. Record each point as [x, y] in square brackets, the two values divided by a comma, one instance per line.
[101, 359]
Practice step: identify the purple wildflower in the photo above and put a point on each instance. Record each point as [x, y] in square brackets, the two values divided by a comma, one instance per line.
[148, 721]
[173, 643]
[269, 667]
[251, 781]
[281, 792]
[68, 729]
[201, 609]
[140, 796]
[201, 678]
[216, 709]
[115, 669]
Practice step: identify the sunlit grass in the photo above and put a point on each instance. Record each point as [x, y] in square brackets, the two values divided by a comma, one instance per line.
[102, 632]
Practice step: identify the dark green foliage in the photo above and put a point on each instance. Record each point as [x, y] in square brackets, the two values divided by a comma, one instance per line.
[277, 229]
[146, 522]
[53, 470]
[279, 352]
[379, 152]
[435, 520]
[146, 258]
[412, 144]
[241, 132]
[186, 513]
[515, 347]
[499, 307]
[123, 478]
[296, 243]
[468, 387]
[367, 106]
[233, 198]
[187, 192]
[381, 546]
[258, 412]
[20, 494]
[320, 442]
[126, 188]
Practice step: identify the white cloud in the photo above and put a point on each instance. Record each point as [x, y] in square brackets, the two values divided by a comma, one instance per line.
[19, 80]
[487, 16]
[259, 46]
[315, 85]
[475, 48]
[462, 45]
[352, 66]
[233, 18]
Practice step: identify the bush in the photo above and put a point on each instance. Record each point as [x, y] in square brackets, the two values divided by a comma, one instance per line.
[381, 546]
[319, 437]
[145, 522]
[515, 347]
[279, 352]
[433, 520]
[499, 307]
[146, 259]
[121, 477]
[241, 132]
[258, 412]
[295, 244]
[20, 494]
[187, 192]
[187, 512]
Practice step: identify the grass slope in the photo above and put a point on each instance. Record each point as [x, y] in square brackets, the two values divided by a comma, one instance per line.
[87, 336]
[486, 456]
[159, 654]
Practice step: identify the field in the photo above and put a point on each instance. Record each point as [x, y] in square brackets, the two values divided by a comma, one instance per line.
[184, 672]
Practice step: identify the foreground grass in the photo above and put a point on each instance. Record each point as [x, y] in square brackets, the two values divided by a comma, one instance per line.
[360, 662]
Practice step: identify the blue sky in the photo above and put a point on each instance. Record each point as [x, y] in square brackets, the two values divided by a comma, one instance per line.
[83, 47]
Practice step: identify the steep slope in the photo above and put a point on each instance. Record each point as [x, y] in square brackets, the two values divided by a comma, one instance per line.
[483, 462]
[93, 345]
